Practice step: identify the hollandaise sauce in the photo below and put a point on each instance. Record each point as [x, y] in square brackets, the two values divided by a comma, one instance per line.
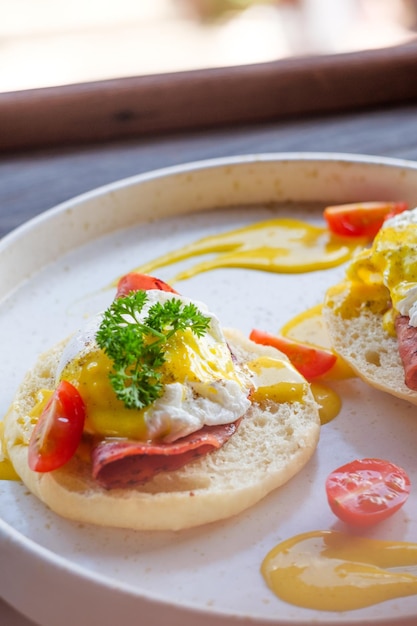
[334, 571]
[7, 471]
[328, 401]
[279, 245]
[276, 381]
[308, 327]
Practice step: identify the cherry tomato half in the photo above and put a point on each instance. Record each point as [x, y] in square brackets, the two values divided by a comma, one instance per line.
[135, 281]
[310, 361]
[362, 219]
[58, 431]
[367, 491]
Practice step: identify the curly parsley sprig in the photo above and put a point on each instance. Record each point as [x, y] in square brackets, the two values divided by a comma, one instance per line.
[136, 346]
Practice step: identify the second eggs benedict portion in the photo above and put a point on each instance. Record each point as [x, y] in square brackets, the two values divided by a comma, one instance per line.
[372, 315]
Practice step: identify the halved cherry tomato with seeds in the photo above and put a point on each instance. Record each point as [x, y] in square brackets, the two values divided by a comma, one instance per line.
[367, 491]
[309, 360]
[135, 281]
[58, 431]
[362, 219]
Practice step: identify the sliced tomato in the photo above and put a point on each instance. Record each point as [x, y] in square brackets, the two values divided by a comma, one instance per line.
[367, 491]
[59, 429]
[360, 219]
[310, 361]
[135, 281]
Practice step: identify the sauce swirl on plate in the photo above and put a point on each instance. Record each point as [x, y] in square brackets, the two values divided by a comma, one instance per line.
[279, 245]
[333, 571]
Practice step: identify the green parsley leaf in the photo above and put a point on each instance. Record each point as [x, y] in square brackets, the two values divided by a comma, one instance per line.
[136, 346]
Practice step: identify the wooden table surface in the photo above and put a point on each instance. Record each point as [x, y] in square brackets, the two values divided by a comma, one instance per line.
[33, 180]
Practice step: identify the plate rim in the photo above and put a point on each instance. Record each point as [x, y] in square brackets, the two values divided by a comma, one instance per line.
[191, 166]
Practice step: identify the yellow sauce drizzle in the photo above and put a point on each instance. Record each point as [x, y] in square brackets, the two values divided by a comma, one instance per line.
[279, 245]
[276, 381]
[333, 571]
[328, 401]
[7, 471]
[309, 327]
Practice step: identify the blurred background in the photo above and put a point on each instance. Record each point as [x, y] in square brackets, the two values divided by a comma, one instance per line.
[55, 42]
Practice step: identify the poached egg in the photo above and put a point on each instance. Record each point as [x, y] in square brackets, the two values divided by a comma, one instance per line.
[202, 383]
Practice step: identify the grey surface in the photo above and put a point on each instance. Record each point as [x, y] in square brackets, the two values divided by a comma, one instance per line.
[33, 182]
[10, 617]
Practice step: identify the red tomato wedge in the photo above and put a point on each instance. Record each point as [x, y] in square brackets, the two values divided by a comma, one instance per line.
[135, 281]
[363, 219]
[367, 491]
[58, 432]
[310, 361]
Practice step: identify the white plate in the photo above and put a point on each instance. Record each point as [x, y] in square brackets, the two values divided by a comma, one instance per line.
[52, 271]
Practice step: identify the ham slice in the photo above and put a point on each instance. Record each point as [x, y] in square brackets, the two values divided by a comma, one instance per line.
[126, 463]
[407, 347]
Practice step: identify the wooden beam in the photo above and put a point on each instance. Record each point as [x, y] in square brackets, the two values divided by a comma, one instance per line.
[184, 101]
